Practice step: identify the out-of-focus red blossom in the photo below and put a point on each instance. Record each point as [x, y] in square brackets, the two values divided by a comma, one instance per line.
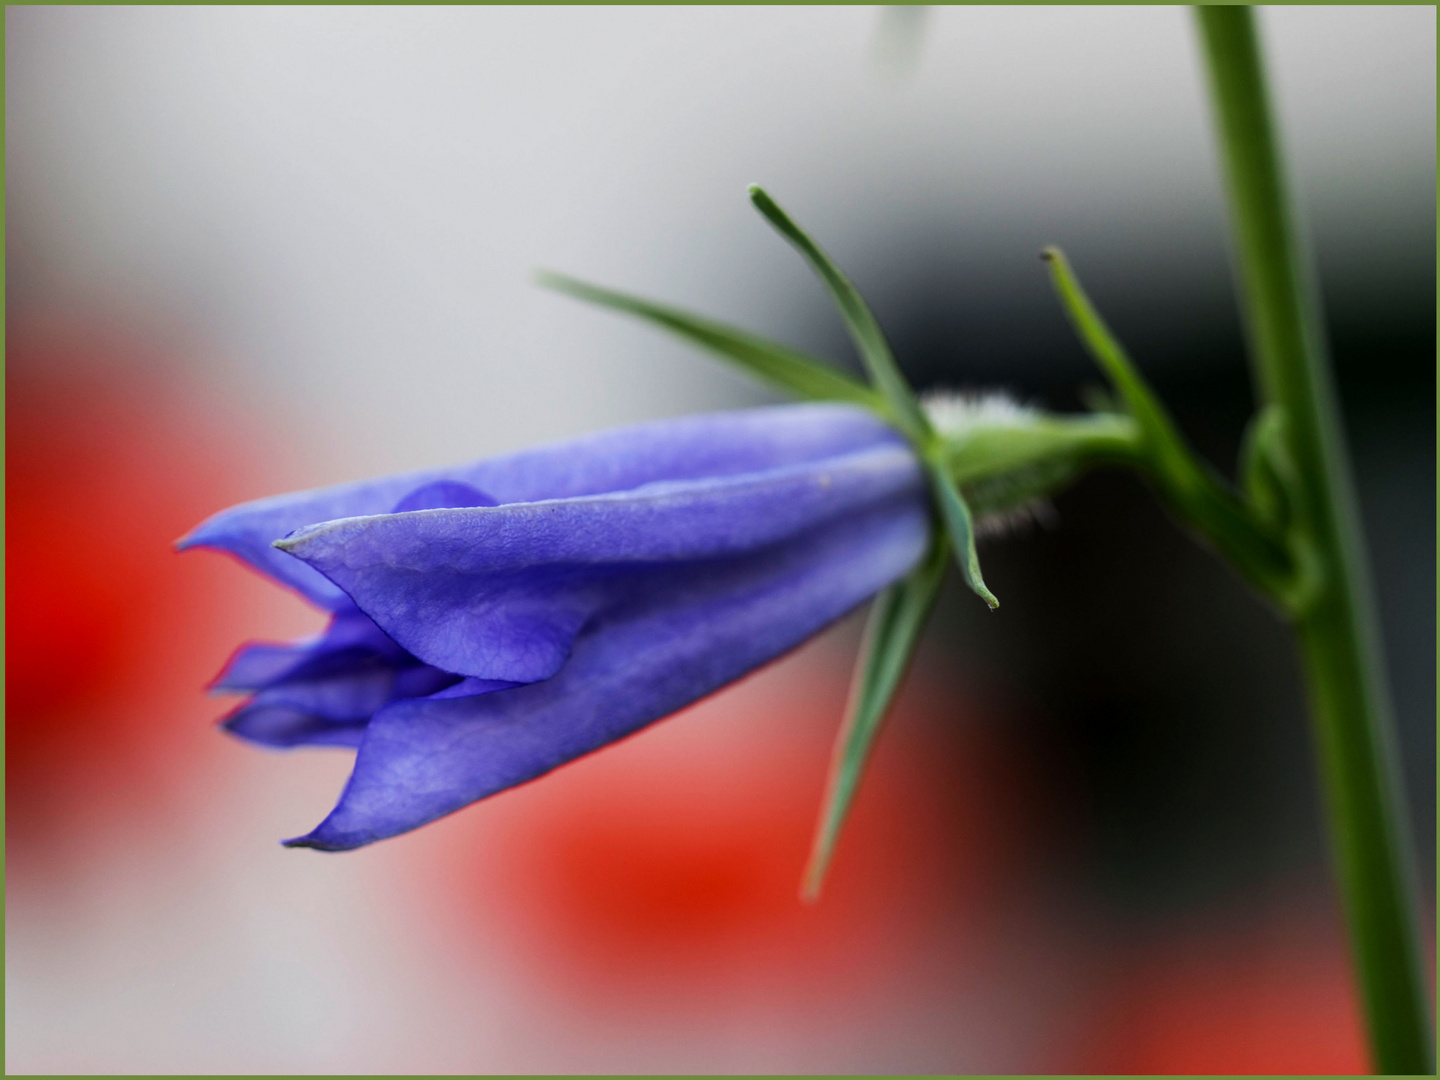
[661, 877]
[111, 452]
[667, 869]
[1267, 997]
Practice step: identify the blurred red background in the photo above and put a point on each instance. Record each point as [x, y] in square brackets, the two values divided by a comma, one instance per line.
[636, 910]
[112, 451]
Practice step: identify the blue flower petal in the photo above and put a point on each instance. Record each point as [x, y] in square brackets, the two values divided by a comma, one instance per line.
[351, 641]
[335, 711]
[501, 592]
[284, 727]
[712, 445]
[441, 495]
[684, 631]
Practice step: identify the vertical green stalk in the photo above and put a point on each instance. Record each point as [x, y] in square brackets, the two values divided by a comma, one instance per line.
[1337, 631]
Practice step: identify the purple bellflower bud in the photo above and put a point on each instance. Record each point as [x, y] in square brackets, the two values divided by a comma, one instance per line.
[495, 620]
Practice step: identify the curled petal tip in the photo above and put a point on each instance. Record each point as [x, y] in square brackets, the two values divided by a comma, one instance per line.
[310, 840]
[196, 537]
[327, 837]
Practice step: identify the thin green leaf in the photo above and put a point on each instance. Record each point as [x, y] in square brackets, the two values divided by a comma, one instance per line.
[861, 324]
[1111, 356]
[783, 367]
[885, 375]
[961, 529]
[896, 619]
[1192, 487]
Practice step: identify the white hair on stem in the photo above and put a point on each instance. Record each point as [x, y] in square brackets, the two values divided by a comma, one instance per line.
[953, 412]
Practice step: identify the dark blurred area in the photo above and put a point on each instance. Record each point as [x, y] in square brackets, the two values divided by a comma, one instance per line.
[1153, 698]
[1159, 698]
[1175, 690]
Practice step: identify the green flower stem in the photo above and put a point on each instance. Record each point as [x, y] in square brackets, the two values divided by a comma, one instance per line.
[1337, 629]
[984, 450]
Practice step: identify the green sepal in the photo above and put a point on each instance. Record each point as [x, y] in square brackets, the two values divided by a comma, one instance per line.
[781, 366]
[1193, 489]
[960, 527]
[896, 618]
[808, 377]
[859, 322]
[1155, 423]
[879, 361]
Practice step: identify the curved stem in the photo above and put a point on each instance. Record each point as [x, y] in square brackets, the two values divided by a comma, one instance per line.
[1337, 632]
